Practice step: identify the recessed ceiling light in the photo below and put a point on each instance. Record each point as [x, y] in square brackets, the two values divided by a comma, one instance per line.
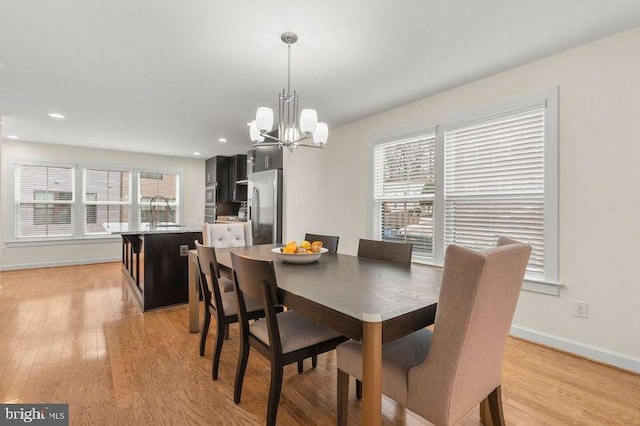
[12, 137]
[56, 115]
[222, 140]
[196, 153]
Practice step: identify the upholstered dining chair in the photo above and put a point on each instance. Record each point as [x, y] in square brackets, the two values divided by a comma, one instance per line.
[218, 303]
[329, 242]
[388, 251]
[281, 337]
[443, 374]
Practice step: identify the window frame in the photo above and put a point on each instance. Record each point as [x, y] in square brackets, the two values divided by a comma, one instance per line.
[86, 203]
[78, 211]
[390, 138]
[12, 207]
[176, 205]
[547, 99]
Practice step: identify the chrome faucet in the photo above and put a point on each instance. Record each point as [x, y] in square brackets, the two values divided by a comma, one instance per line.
[153, 220]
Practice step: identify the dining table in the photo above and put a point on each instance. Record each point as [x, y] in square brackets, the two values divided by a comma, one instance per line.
[368, 300]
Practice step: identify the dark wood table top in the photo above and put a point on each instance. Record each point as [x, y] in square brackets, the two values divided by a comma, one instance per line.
[339, 289]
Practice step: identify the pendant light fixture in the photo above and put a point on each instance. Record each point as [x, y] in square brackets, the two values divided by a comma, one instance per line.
[293, 129]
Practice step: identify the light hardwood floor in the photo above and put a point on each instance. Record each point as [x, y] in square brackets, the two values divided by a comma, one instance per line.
[76, 335]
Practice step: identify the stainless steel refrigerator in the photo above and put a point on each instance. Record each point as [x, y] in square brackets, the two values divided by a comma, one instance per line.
[265, 206]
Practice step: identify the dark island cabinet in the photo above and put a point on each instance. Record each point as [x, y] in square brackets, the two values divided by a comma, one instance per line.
[157, 267]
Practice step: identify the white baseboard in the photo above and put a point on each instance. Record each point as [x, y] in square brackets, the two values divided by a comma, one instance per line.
[595, 353]
[58, 263]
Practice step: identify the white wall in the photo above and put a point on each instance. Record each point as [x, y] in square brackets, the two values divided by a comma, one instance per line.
[599, 189]
[53, 254]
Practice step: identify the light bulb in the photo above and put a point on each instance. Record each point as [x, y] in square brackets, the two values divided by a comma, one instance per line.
[321, 134]
[264, 119]
[254, 133]
[308, 120]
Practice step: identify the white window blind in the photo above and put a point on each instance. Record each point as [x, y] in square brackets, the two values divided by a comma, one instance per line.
[107, 198]
[44, 200]
[494, 183]
[158, 184]
[404, 188]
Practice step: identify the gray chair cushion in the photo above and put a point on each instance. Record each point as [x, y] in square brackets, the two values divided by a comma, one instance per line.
[398, 357]
[296, 331]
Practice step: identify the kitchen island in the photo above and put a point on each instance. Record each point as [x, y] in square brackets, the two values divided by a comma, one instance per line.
[155, 261]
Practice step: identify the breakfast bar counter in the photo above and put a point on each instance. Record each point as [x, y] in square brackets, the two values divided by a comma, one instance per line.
[155, 261]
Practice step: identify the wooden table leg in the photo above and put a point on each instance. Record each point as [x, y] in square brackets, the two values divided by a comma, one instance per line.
[194, 297]
[372, 369]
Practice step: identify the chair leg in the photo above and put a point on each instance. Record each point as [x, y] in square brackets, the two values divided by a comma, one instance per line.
[358, 389]
[217, 351]
[485, 414]
[243, 357]
[314, 361]
[300, 366]
[274, 393]
[343, 397]
[226, 332]
[495, 407]
[204, 331]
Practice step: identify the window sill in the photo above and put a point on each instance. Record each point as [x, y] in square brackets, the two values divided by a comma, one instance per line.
[543, 287]
[529, 284]
[57, 241]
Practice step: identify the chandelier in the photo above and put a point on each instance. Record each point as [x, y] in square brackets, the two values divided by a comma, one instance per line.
[293, 129]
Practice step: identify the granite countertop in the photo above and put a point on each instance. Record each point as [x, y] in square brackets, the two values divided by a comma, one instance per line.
[143, 228]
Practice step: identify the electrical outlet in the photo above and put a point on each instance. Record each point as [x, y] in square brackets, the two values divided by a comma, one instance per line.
[580, 309]
[184, 250]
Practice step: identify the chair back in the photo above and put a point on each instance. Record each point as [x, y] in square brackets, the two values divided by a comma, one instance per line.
[389, 251]
[328, 241]
[223, 235]
[209, 274]
[477, 300]
[256, 279]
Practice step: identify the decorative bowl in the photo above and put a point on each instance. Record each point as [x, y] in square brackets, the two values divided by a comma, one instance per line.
[298, 257]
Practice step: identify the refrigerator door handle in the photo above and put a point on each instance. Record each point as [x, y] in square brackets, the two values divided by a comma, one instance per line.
[255, 213]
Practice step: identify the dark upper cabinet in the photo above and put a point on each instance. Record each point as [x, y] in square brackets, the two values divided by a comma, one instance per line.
[267, 158]
[225, 172]
[210, 171]
[217, 172]
[238, 171]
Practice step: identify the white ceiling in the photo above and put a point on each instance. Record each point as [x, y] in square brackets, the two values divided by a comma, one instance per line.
[172, 76]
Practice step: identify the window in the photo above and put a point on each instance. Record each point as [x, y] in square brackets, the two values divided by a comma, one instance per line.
[46, 206]
[491, 173]
[107, 198]
[56, 214]
[404, 188]
[152, 185]
[494, 183]
[44, 200]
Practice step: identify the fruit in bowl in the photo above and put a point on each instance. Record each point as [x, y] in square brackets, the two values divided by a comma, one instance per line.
[304, 248]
